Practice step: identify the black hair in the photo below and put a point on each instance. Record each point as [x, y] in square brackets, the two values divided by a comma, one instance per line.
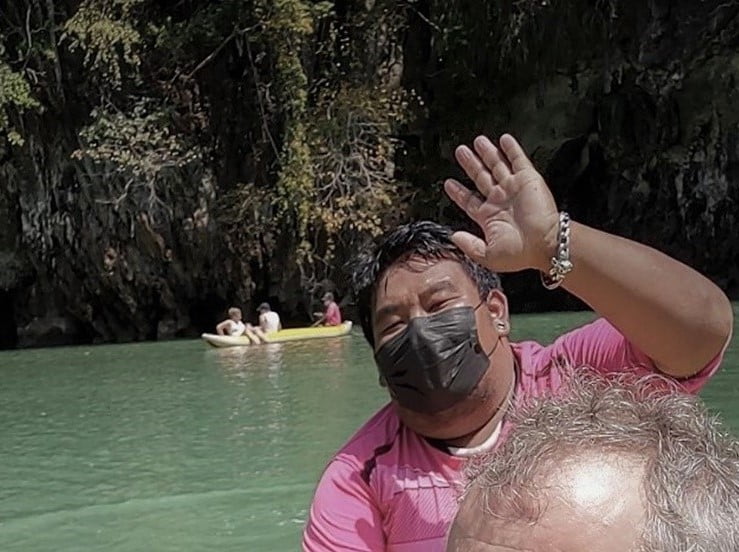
[423, 239]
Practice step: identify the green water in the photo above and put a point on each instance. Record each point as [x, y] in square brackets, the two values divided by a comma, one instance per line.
[176, 447]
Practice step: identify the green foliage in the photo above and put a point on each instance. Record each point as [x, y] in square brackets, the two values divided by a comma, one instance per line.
[293, 107]
[320, 112]
[291, 22]
[353, 159]
[140, 142]
[15, 93]
[135, 152]
[104, 30]
[335, 186]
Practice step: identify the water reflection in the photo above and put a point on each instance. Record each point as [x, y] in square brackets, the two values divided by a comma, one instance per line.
[240, 364]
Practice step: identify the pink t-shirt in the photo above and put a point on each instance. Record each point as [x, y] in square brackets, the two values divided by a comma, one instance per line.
[333, 315]
[389, 490]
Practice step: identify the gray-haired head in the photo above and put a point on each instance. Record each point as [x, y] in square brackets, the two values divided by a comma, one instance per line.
[607, 459]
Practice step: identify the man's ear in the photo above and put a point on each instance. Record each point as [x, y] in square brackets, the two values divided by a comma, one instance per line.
[497, 305]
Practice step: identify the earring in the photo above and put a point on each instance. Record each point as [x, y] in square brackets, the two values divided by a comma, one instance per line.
[502, 326]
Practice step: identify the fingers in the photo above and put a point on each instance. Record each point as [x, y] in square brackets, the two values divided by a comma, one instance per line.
[475, 169]
[489, 165]
[471, 245]
[465, 198]
[515, 154]
[493, 158]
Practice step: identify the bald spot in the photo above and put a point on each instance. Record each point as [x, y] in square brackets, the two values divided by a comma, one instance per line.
[590, 502]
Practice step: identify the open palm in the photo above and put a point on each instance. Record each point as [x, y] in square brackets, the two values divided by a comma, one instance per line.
[515, 209]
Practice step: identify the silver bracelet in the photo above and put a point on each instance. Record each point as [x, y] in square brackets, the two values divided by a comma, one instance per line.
[561, 264]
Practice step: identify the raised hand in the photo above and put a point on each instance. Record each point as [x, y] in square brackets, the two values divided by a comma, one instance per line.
[515, 209]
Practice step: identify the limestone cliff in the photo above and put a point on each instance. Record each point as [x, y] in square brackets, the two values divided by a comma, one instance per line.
[630, 109]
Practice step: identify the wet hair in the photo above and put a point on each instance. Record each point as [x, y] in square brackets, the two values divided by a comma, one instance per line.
[691, 465]
[425, 240]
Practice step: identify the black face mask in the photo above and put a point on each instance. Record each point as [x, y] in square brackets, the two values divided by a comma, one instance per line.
[435, 362]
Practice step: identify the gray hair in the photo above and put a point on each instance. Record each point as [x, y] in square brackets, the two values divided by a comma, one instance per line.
[691, 465]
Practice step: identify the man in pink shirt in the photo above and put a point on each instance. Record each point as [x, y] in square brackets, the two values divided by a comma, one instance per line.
[433, 312]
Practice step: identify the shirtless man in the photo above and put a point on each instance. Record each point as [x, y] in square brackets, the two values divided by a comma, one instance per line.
[233, 325]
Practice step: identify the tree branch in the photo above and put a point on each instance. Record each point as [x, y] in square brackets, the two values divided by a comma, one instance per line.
[257, 85]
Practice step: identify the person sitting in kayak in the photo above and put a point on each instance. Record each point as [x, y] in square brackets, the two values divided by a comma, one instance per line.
[331, 316]
[269, 321]
[233, 325]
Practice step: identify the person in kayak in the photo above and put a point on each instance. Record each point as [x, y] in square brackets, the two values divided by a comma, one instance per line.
[609, 466]
[434, 314]
[233, 325]
[269, 321]
[331, 315]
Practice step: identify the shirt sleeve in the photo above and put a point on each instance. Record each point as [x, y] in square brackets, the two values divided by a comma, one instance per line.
[601, 346]
[343, 515]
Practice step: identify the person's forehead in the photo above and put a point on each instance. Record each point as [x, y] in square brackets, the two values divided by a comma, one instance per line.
[594, 503]
[517, 536]
[476, 529]
[558, 530]
[417, 274]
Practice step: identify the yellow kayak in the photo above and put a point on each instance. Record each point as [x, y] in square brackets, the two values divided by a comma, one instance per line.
[291, 334]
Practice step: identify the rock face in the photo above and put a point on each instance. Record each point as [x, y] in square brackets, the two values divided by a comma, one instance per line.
[74, 268]
[630, 108]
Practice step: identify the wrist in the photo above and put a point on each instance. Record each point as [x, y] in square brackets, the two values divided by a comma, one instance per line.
[560, 264]
[548, 247]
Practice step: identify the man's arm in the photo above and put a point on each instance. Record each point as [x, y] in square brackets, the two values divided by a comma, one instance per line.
[603, 348]
[343, 516]
[670, 312]
[222, 327]
[676, 316]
